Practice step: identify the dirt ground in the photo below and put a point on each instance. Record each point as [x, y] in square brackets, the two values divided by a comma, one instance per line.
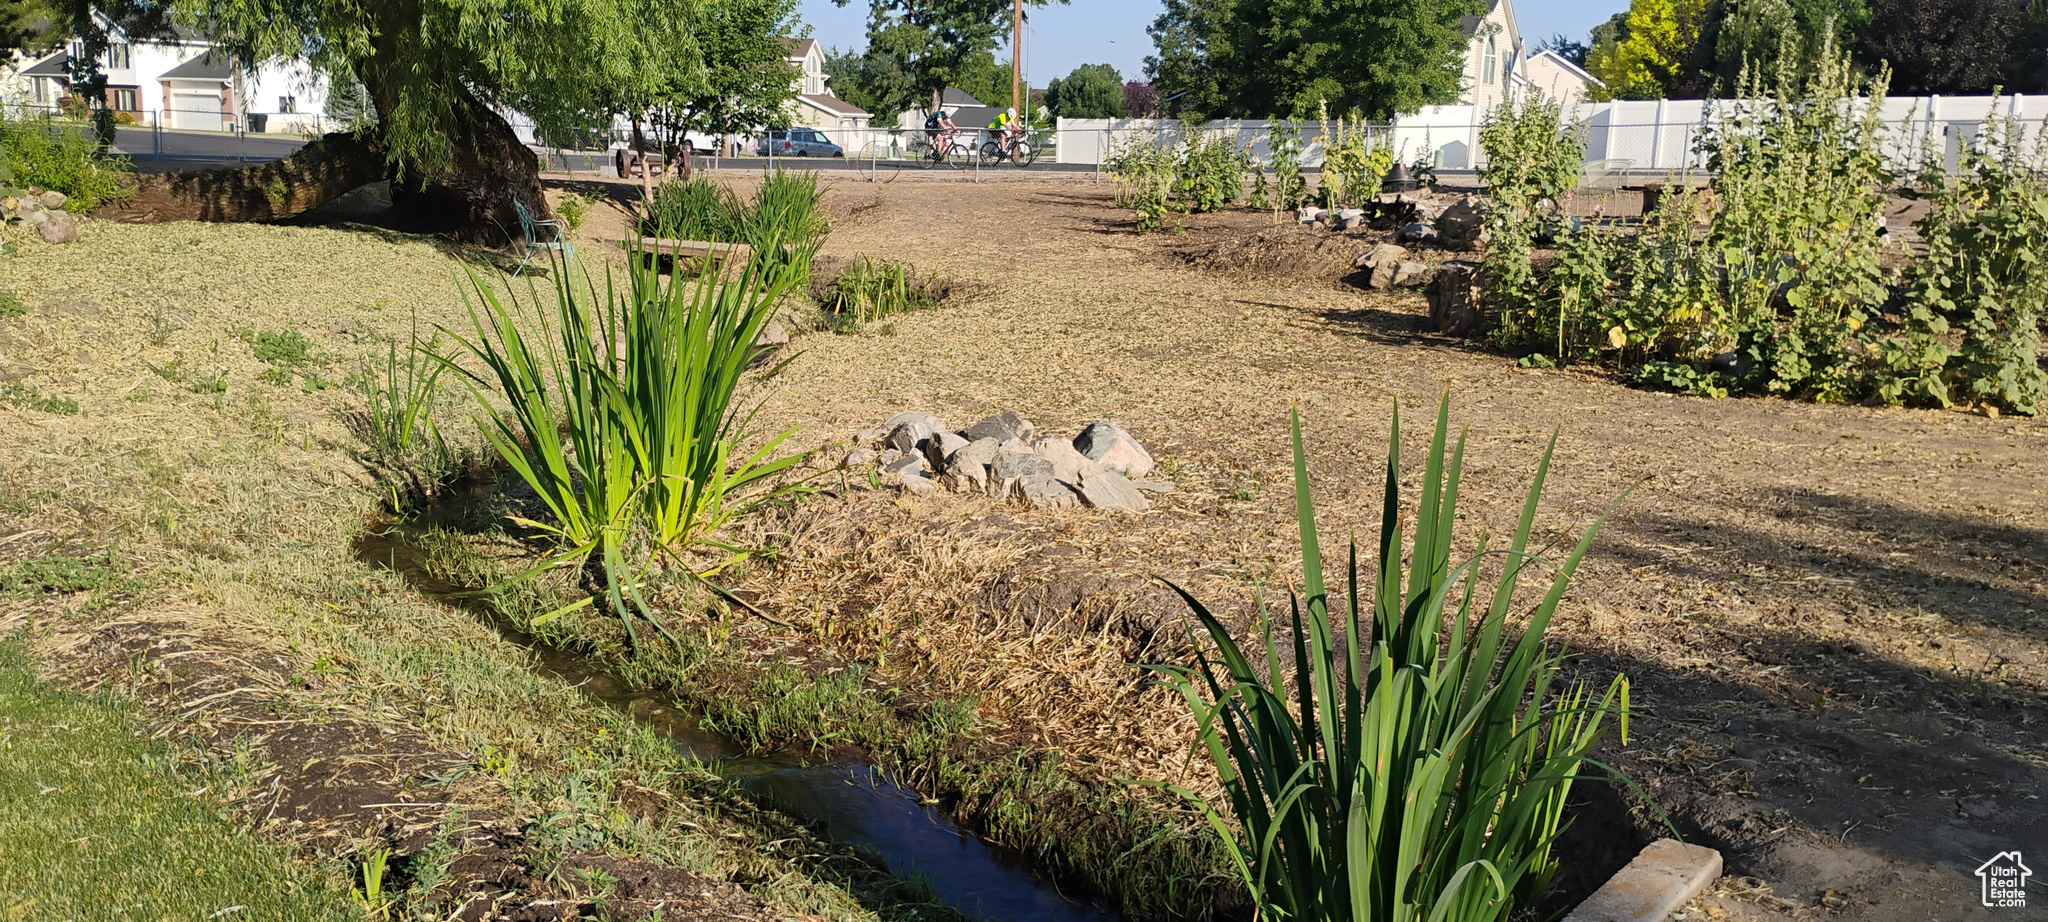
[1835, 617]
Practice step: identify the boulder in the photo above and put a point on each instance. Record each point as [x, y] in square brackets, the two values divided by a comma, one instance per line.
[1382, 277]
[979, 453]
[1011, 467]
[916, 483]
[1307, 214]
[887, 455]
[1153, 486]
[60, 228]
[941, 446]
[1455, 304]
[907, 463]
[1109, 445]
[1104, 489]
[926, 421]
[53, 200]
[866, 436]
[1463, 225]
[965, 478]
[1068, 463]
[1002, 427]
[1410, 274]
[1383, 253]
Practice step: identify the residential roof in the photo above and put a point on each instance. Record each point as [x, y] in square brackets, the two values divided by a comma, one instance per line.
[1470, 24]
[211, 64]
[56, 65]
[832, 105]
[976, 116]
[1566, 63]
[799, 47]
[955, 96]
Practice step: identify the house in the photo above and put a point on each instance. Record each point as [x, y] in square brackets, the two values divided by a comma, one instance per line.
[183, 81]
[1558, 79]
[955, 102]
[1494, 56]
[815, 106]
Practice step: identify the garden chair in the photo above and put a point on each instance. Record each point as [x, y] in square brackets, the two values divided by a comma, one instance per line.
[530, 232]
[1604, 176]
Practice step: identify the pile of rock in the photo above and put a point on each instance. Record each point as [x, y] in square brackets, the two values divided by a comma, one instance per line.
[1003, 456]
[1459, 226]
[44, 211]
[1388, 266]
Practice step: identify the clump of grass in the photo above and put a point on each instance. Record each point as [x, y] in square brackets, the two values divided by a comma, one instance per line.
[59, 573]
[397, 425]
[573, 208]
[95, 820]
[870, 290]
[1417, 766]
[643, 384]
[783, 224]
[10, 304]
[285, 348]
[33, 152]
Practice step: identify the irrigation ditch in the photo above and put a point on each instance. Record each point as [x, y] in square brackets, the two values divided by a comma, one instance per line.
[848, 800]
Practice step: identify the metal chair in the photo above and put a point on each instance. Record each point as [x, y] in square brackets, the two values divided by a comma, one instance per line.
[1604, 176]
[530, 233]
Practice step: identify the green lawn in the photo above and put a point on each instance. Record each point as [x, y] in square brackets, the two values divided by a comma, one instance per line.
[96, 823]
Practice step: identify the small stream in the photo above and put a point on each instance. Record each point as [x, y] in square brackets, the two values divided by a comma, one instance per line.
[853, 803]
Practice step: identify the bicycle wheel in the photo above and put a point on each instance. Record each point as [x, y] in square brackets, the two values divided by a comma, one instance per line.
[956, 155]
[930, 156]
[991, 153]
[1026, 153]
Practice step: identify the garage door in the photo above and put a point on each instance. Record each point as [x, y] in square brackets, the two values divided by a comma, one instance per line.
[196, 111]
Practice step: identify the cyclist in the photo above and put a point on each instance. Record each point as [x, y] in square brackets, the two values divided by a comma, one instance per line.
[940, 128]
[1007, 129]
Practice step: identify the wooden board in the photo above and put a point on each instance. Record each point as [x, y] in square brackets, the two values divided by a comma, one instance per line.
[696, 249]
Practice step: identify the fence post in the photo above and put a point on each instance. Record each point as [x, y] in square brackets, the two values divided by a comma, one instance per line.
[1657, 137]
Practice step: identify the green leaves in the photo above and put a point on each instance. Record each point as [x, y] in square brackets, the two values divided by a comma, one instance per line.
[1410, 767]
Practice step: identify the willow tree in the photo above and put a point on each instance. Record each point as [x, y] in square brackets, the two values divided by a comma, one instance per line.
[440, 76]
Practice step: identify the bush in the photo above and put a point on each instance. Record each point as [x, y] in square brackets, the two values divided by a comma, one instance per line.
[871, 290]
[1413, 767]
[784, 224]
[1199, 173]
[39, 153]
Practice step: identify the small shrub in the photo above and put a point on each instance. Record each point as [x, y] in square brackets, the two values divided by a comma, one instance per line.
[573, 208]
[870, 290]
[783, 225]
[1202, 172]
[38, 153]
[1355, 159]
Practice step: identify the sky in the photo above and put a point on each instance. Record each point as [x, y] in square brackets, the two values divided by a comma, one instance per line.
[1060, 37]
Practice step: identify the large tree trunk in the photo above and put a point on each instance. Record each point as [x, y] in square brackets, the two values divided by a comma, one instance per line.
[318, 172]
[488, 168]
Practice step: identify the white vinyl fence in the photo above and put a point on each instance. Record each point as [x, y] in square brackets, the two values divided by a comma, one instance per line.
[1656, 136]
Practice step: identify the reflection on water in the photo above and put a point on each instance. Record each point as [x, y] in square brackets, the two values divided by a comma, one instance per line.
[853, 803]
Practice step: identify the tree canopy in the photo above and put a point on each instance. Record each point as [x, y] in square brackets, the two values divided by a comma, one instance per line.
[1296, 58]
[917, 48]
[880, 82]
[1089, 91]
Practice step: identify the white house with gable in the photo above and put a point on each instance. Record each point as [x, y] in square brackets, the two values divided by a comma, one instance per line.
[1493, 58]
[184, 81]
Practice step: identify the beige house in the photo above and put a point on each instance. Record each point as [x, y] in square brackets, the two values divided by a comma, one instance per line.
[815, 106]
[1494, 57]
[1557, 78]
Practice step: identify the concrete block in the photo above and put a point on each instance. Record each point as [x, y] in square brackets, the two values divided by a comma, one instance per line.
[1661, 880]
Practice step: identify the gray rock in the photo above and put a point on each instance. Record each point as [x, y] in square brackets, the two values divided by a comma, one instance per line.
[887, 455]
[866, 436]
[965, 478]
[1012, 467]
[942, 446]
[911, 436]
[1410, 274]
[1043, 491]
[1109, 490]
[925, 421]
[916, 483]
[33, 218]
[1307, 214]
[912, 462]
[1346, 214]
[1379, 254]
[1382, 277]
[1002, 427]
[1153, 486]
[28, 205]
[979, 453]
[859, 457]
[1112, 447]
[53, 200]
[773, 334]
[1418, 232]
[1067, 462]
[60, 228]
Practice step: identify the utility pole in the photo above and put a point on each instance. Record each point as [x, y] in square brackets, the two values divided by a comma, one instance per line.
[1016, 59]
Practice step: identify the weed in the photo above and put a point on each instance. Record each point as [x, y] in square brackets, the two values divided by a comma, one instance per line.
[783, 225]
[397, 422]
[573, 208]
[10, 304]
[26, 396]
[59, 573]
[1355, 157]
[34, 152]
[1198, 172]
[278, 348]
[371, 892]
[161, 326]
[1411, 770]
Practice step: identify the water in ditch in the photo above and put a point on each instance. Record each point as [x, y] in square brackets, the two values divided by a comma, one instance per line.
[853, 803]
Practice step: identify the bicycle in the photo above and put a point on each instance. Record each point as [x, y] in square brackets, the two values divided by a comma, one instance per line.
[1020, 153]
[942, 148]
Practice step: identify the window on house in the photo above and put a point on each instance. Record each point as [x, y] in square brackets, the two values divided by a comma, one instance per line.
[124, 101]
[287, 104]
[1492, 61]
[117, 57]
